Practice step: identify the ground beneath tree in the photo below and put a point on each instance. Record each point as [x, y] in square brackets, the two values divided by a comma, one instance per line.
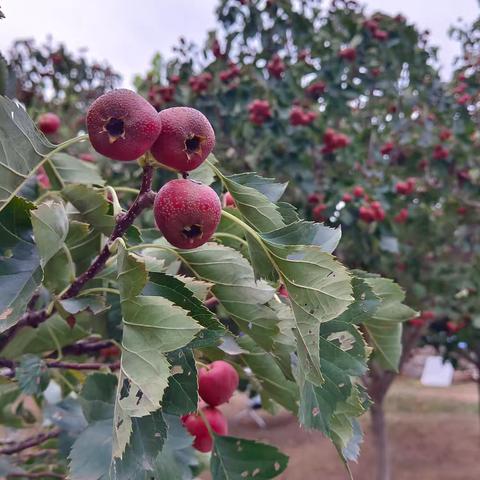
[434, 435]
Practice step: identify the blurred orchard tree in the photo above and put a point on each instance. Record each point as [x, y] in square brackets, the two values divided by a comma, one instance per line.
[351, 109]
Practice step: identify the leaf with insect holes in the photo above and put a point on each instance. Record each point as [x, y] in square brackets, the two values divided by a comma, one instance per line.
[20, 271]
[319, 290]
[237, 459]
[269, 375]
[152, 327]
[235, 287]
[384, 326]
[22, 150]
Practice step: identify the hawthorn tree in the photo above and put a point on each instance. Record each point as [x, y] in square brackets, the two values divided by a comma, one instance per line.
[351, 109]
[104, 323]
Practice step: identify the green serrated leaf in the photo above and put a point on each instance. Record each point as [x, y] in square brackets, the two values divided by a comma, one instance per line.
[31, 374]
[73, 170]
[20, 271]
[23, 149]
[237, 459]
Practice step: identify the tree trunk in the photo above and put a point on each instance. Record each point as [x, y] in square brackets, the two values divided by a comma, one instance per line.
[380, 439]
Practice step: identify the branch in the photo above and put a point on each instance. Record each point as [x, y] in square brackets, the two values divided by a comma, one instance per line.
[30, 442]
[124, 221]
[41, 475]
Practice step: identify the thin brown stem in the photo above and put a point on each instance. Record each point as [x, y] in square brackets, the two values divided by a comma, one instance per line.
[30, 442]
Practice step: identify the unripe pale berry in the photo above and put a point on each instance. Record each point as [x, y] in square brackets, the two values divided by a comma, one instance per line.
[187, 139]
[195, 425]
[48, 123]
[217, 382]
[187, 212]
[122, 125]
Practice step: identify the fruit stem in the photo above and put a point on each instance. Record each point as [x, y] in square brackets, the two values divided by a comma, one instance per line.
[206, 422]
[89, 291]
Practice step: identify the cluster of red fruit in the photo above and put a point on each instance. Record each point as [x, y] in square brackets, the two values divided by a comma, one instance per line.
[423, 319]
[216, 384]
[200, 83]
[373, 26]
[276, 66]
[333, 140]
[316, 89]
[259, 111]
[300, 116]
[123, 126]
[372, 212]
[233, 71]
[407, 187]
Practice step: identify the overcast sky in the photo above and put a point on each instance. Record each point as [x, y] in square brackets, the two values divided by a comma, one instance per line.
[128, 33]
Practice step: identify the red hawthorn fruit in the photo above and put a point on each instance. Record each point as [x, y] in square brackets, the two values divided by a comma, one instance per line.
[348, 53]
[358, 191]
[445, 134]
[87, 157]
[376, 205]
[48, 123]
[440, 152]
[405, 188]
[316, 89]
[228, 200]
[314, 198]
[417, 322]
[318, 211]
[453, 327]
[371, 25]
[276, 67]
[174, 79]
[259, 111]
[122, 125]
[334, 140]
[462, 210]
[366, 214]
[217, 382]
[299, 116]
[42, 178]
[464, 99]
[187, 212]
[216, 50]
[387, 148]
[428, 315]
[379, 214]
[460, 88]
[200, 83]
[376, 72]
[187, 139]
[401, 216]
[380, 35]
[423, 164]
[232, 72]
[282, 291]
[195, 425]
[347, 197]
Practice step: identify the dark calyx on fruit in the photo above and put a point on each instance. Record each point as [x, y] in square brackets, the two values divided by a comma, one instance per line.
[193, 231]
[193, 144]
[115, 127]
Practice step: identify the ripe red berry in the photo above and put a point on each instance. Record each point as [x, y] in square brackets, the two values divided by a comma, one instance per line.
[282, 291]
[187, 212]
[228, 200]
[195, 425]
[259, 111]
[387, 148]
[318, 211]
[347, 197]
[358, 191]
[445, 134]
[314, 198]
[401, 216]
[316, 89]
[187, 139]
[217, 382]
[122, 125]
[87, 157]
[48, 123]
[366, 214]
[276, 67]
[349, 54]
[379, 34]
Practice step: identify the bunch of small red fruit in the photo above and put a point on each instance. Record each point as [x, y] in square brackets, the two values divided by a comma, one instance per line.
[123, 126]
[216, 384]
